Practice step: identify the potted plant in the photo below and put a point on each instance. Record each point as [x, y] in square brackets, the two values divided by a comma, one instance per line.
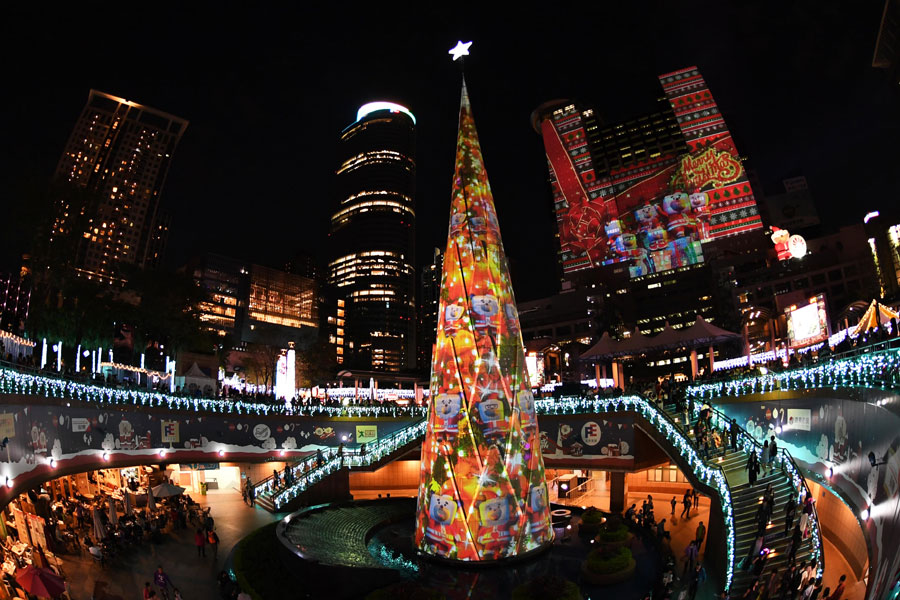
[606, 566]
[612, 534]
[591, 520]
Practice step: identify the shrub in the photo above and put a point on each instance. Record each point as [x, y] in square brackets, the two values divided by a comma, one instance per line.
[547, 586]
[592, 516]
[613, 531]
[602, 561]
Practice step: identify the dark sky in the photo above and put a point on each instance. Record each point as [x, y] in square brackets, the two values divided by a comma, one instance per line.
[267, 92]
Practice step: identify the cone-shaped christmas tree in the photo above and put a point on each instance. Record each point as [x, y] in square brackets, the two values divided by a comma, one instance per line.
[482, 494]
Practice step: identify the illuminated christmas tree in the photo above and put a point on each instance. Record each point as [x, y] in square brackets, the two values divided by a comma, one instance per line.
[482, 493]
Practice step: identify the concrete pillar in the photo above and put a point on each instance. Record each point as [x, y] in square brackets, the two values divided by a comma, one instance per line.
[712, 359]
[694, 367]
[621, 369]
[604, 371]
[597, 374]
[615, 369]
[618, 490]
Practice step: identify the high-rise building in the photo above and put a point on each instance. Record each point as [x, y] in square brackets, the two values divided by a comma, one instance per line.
[643, 196]
[15, 299]
[108, 184]
[429, 298]
[256, 304]
[373, 240]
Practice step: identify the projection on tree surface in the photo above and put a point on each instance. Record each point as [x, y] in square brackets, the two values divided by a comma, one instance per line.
[482, 494]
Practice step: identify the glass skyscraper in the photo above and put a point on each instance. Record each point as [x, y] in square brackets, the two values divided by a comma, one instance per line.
[372, 239]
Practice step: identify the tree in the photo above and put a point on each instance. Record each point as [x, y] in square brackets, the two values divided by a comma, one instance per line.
[316, 364]
[260, 362]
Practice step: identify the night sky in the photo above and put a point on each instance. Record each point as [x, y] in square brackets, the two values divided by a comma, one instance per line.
[268, 91]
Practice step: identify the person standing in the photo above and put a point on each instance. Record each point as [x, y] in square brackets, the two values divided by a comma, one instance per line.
[733, 430]
[773, 453]
[162, 581]
[765, 458]
[690, 556]
[674, 503]
[795, 543]
[200, 542]
[700, 534]
[213, 539]
[696, 502]
[753, 471]
[789, 513]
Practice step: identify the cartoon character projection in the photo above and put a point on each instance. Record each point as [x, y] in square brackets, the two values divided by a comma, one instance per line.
[480, 459]
[677, 207]
[627, 249]
[452, 319]
[486, 309]
[700, 213]
[447, 408]
[649, 225]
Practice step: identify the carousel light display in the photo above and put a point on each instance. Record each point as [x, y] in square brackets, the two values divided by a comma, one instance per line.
[482, 493]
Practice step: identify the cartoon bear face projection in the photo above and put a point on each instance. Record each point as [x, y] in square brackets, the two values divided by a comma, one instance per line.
[538, 498]
[699, 202]
[478, 225]
[442, 509]
[512, 318]
[490, 408]
[486, 307]
[494, 512]
[526, 401]
[456, 223]
[647, 216]
[452, 319]
[447, 406]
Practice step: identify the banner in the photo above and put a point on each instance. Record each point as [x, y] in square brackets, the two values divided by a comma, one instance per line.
[799, 418]
[79, 425]
[7, 425]
[366, 433]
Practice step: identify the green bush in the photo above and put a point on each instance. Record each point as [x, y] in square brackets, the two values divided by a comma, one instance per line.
[257, 566]
[407, 590]
[613, 531]
[547, 586]
[602, 561]
[592, 516]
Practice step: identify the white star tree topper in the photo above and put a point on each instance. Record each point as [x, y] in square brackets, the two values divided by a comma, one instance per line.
[460, 49]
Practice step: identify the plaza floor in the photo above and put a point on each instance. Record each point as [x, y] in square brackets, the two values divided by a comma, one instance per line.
[195, 577]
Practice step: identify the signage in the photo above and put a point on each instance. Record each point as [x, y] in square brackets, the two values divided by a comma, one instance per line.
[798, 418]
[201, 466]
[7, 425]
[80, 425]
[169, 432]
[366, 433]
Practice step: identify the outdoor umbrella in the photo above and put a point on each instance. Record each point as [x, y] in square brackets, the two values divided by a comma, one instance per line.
[151, 503]
[113, 515]
[166, 489]
[41, 582]
[128, 508]
[99, 528]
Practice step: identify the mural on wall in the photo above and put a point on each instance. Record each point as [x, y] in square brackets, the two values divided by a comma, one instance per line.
[839, 433]
[37, 433]
[604, 441]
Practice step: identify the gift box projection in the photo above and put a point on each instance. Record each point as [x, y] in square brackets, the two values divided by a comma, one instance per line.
[482, 494]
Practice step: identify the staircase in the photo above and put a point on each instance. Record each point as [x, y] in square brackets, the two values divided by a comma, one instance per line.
[745, 501]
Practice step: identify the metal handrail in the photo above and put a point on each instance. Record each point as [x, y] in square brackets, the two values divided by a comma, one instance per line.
[797, 480]
[374, 452]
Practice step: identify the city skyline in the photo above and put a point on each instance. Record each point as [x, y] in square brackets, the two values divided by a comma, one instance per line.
[266, 114]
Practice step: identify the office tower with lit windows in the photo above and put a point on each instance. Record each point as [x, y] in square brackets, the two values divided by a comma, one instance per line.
[107, 188]
[372, 240]
[429, 299]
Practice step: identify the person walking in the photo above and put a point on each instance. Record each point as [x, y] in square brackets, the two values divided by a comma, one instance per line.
[753, 471]
[696, 575]
[700, 534]
[213, 540]
[200, 542]
[696, 502]
[690, 556]
[795, 543]
[789, 513]
[686, 502]
[773, 453]
[674, 503]
[838, 592]
[764, 456]
[162, 582]
[733, 431]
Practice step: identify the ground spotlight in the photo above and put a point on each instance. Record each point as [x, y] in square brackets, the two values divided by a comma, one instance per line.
[162, 452]
[281, 453]
[52, 463]
[221, 452]
[105, 455]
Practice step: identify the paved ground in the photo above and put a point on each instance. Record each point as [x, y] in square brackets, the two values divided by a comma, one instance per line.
[194, 576]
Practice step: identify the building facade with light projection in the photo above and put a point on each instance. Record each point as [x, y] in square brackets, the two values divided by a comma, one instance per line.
[644, 196]
[372, 241]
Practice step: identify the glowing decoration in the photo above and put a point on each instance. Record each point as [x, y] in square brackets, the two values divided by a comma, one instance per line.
[460, 49]
[797, 246]
[482, 494]
[371, 107]
[871, 215]
[808, 324]
[285, 378]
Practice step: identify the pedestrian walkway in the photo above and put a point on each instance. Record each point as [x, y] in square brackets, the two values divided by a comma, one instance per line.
[195, 577]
